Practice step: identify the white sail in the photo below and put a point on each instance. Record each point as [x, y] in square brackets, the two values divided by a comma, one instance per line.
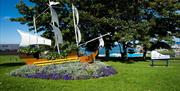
[101, 41]
[54, 16]
[53, 3]
[58, 34]
[78, 33]
[77, 15]
[30, 39]
[76, 22]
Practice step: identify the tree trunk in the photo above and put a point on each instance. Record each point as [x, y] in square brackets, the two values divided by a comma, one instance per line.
[36, 55]
[144, 55]
[107, 54]
[134, 45]
[124, 53]
[144, 51]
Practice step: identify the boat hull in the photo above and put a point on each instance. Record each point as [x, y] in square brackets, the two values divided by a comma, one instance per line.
[90, 58]
[74, 58]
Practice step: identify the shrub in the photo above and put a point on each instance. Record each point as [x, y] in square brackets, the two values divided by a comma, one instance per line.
[28, 50]
[52, 55]
[66, 71]
[167, 52]
[55, 55]
[69, 47]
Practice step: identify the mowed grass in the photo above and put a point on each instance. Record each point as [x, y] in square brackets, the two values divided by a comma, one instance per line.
[138, 76]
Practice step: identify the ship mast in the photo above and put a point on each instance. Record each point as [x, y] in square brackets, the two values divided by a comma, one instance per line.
[35, 30]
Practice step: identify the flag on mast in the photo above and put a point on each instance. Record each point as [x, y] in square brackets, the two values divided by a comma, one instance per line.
[101, 41]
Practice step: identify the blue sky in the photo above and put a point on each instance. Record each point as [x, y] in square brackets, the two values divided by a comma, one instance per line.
[8, 33]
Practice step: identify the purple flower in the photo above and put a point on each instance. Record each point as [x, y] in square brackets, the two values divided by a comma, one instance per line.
[108, 71]
[67, 77]
[38, 75]
[55, 76]
[104, 71]
[54, 72]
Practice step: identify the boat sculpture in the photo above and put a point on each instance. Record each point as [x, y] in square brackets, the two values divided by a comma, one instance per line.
[30, 39]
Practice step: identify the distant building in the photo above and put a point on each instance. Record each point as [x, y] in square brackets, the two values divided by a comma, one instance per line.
[9, 47]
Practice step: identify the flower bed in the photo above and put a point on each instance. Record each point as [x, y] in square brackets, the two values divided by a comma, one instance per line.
[67, 71]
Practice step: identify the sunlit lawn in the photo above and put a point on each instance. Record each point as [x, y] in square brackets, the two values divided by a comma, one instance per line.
[138, 76]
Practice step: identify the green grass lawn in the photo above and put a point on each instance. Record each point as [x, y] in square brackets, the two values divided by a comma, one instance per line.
[138, 76]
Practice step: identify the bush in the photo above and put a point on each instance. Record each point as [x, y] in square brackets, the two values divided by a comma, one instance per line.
[167, 52]
[52, 55]
[55, 55]
[67, 71]
[28, 50]
[69, 48]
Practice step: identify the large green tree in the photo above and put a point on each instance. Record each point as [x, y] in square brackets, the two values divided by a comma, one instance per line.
[96, 17]
[164, 16]
[127, 20]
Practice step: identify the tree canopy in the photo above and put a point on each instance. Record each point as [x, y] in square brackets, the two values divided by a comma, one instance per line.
[127, 20]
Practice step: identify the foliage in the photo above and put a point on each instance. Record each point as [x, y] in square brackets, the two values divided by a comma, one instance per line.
[160, 45]
[24, 50]
[163, 13]
[28, 50]
[127, 20]
[68, 47]
[52, 55]
[167, 52]
[67, 71]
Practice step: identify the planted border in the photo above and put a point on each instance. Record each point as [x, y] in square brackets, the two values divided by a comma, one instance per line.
[66, 71]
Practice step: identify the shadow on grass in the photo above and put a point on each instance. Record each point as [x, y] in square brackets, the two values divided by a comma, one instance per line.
[12, 64]
[158, 65]
[127, 60]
